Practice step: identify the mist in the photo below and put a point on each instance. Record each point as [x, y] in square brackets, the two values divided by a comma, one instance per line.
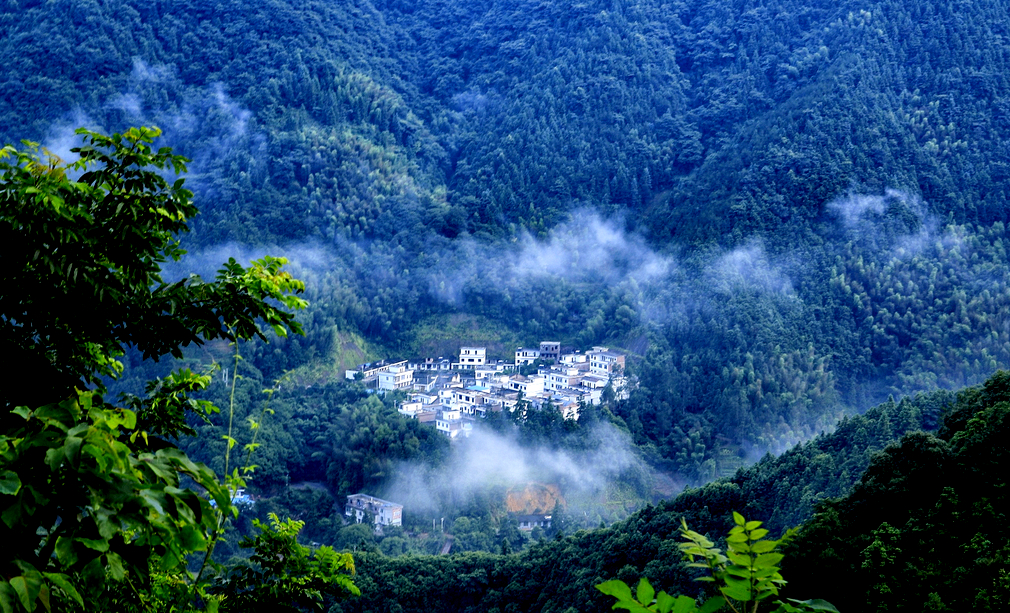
[587, 249]
[595, 255]
[203, 124]
[579, 273]
[308, 261]
[893, 224]
[489, 463]
[747, 267]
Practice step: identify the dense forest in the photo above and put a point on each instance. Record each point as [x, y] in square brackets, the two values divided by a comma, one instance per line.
[786, 214]
[891, 529]
[797, 206]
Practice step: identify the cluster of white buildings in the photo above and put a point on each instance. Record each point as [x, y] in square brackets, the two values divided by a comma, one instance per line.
[452, 394]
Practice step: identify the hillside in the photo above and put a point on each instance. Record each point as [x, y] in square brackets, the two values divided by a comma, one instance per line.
[785, 212]
[702, 121]
[559, 575]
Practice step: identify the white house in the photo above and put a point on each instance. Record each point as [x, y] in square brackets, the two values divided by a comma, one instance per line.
[396, 378]
[450, 423]
[383, 512]
[602, 361]
[373, 369]
[472, 357]
[562, 378]
[435, 364]
[526, 356]
[411, 407]
[573, 358]
[529, 386]
[528, 522]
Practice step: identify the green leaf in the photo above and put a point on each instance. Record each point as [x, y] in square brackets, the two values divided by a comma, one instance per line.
[616, 588]
[62, 412]
[63, 583]
[763, 546]
[212, 604]
[115, 566]
[44, 597]
[191, 539]
[712, 604]
[752, 525]
[55, 457]
[738, 519]
[27, 589]
[12, 514]
[740, 547]
[96, 544]
[129, 419]
[758, 534]
[155, 499]
[7, 597]
[770, 571]
[94, 571]
[685, 604]
[645, 592]
[72, 448]
[664, 602]
[736, 589]
[65, 551]
[766, 560]
[10, 483]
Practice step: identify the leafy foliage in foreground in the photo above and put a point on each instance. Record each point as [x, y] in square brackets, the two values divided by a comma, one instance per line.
[84, 505]
[93, 508]
[85, 258]
[746, 577]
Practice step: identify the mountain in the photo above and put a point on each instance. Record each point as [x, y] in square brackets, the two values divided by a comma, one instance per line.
[559, 575]
[704, 121]
[784, 212]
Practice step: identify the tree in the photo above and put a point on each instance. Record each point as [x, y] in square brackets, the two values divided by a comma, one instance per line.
[82, 268]
[283, 575]
[91, 498]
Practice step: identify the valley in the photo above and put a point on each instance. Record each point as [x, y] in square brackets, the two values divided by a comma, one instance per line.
[786, 220]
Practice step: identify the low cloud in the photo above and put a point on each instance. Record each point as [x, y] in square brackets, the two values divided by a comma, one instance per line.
[488, 460]
[589, 248]
[202, 123]
[586, 249]
[895, 223]
[306, 261]
[748, 267]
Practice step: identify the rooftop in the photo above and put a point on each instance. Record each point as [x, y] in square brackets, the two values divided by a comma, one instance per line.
[362, 499]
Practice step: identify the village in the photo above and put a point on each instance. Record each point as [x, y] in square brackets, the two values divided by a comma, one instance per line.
[453, 394]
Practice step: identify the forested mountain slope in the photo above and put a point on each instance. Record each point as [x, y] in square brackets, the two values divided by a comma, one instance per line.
[559, 575]
[701, 118]
[787, 211]
[924, 529]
